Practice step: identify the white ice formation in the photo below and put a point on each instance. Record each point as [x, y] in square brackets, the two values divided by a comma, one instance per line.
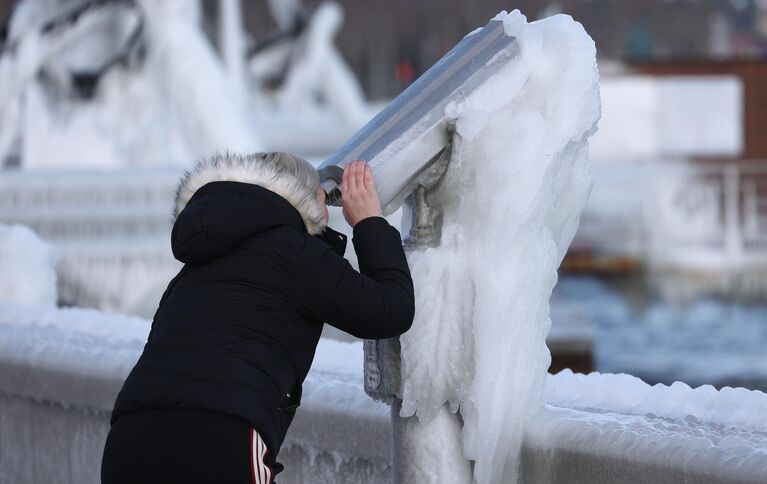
[174, 106]
[673, 433]
[27, 267]
[628, 395]
[514, 190]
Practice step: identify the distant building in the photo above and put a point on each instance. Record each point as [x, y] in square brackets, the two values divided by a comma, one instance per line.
[380, 35]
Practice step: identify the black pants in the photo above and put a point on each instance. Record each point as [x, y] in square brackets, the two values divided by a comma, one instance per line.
[178, 445]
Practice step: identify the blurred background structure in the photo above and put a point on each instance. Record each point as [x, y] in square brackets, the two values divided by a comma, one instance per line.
[104, 104]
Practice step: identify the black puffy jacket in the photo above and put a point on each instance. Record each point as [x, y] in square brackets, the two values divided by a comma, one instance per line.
[237, 328]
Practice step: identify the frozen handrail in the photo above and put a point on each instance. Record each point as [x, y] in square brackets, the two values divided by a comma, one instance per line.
[404, 139]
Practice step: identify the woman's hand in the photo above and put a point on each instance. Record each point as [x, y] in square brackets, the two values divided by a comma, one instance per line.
[358, 193]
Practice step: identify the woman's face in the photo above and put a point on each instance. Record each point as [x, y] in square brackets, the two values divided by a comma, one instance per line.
[321, 198]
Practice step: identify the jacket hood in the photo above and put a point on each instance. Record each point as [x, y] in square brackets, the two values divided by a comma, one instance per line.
[222, 215]
[246, 169]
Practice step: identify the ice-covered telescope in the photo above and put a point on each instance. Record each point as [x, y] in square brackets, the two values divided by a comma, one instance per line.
[410, 134]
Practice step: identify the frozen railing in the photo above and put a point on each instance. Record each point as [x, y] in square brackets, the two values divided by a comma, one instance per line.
[60, 370]
[111, 230]
[708, 217]
[679, 215]
[90, 204]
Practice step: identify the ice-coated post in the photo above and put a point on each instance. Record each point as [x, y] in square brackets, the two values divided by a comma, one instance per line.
[383, 379]
[408, 146]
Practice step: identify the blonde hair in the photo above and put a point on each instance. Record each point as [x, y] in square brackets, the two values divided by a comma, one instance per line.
[286, 174]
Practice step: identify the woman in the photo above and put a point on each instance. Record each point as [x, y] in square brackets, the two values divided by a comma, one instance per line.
[218, 383]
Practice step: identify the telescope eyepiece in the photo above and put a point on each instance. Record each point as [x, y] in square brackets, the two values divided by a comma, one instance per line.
[330, 181]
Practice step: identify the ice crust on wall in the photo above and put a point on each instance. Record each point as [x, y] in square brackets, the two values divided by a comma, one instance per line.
[27, 267]
[701, 432]
[515, 187]
[628, 395]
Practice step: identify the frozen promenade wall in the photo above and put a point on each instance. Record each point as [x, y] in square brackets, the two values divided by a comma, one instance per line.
[60, 370]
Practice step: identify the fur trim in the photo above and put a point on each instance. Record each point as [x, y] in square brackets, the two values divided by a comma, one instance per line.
[263, 169]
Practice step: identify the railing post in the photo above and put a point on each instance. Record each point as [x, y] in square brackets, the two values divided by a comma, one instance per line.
[733, 236]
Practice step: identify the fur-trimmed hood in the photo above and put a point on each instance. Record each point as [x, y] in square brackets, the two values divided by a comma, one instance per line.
[262, 169]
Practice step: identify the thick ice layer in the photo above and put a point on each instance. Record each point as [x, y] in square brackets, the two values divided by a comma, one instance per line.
[628, 395]
[27, 267]
[698, 431]
[512, 196]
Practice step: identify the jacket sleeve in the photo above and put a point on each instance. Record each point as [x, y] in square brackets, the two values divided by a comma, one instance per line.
[375, 303]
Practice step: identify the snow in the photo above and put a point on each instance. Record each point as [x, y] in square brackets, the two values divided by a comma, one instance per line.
[511, 197]
[27, 267]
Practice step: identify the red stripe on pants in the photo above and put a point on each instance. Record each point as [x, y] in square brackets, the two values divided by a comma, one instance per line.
[259, 470]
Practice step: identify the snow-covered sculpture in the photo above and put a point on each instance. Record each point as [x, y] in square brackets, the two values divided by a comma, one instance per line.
[109, 84]
[300, 82]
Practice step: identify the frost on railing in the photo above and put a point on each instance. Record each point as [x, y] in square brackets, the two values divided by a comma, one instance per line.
[709, 217]
[111, 231]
